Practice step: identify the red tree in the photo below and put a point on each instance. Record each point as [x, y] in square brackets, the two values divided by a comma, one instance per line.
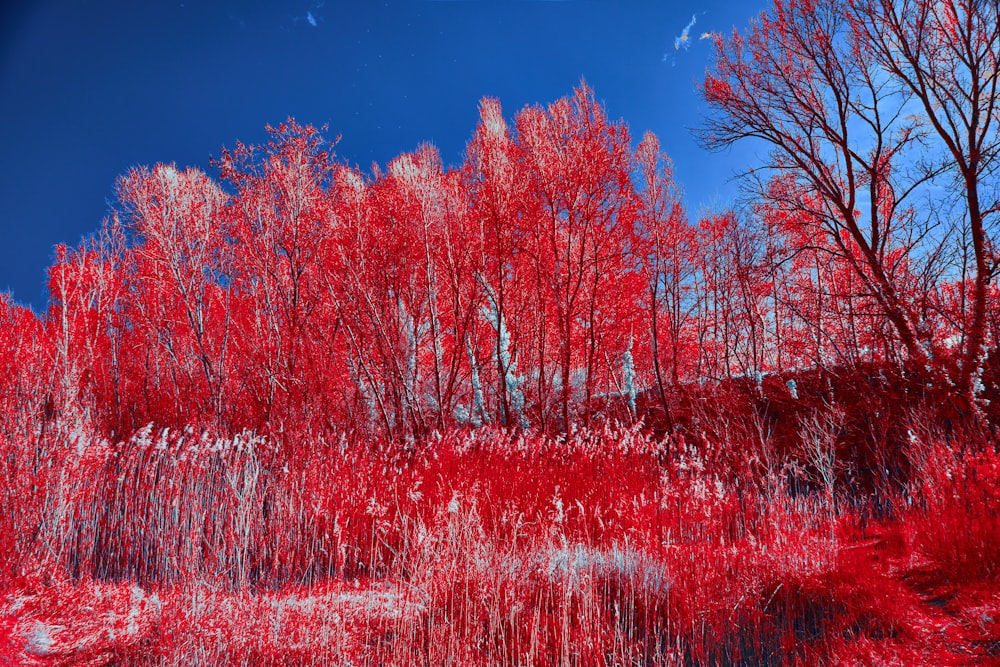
[833, 86]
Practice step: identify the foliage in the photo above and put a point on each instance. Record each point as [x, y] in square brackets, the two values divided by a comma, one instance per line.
[523, 410]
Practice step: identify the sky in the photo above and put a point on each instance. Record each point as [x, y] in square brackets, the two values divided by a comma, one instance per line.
[90, 88]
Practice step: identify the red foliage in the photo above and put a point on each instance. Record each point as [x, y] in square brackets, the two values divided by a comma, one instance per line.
[521, 410]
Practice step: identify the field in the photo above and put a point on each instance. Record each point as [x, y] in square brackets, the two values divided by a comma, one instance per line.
[607, 547]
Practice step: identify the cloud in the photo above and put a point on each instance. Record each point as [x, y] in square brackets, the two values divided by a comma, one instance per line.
[684, 40]
[310, 18]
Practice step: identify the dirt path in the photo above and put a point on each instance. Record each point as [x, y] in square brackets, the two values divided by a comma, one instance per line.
[938, 623]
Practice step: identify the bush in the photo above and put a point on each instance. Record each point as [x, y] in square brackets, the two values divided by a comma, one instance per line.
[954, 519]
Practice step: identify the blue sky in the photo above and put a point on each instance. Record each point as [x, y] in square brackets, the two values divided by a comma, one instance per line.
[89, 88]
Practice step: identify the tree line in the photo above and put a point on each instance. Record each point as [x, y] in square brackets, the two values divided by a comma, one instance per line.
[554, 277]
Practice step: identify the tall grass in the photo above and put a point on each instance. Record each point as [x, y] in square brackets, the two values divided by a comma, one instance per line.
[954, 519]
[607, 547]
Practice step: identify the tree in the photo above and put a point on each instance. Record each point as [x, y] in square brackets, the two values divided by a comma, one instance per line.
[665, 250]
[443, 301]
[85, 325]
[946, 54]
[496, 188]
[26, 364]
[281, 218]
[851, 95]
[579, 166]
[820, 311]
[732, 300]
[181, 284]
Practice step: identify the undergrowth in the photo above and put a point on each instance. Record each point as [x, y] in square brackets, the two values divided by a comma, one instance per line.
[607, 547]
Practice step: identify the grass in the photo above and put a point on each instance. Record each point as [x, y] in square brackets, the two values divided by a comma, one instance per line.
[486, 547]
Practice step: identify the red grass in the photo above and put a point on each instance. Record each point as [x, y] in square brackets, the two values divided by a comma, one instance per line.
[956, 519]
[481, 547]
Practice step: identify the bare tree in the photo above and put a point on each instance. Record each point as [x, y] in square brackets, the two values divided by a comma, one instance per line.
[854, 97]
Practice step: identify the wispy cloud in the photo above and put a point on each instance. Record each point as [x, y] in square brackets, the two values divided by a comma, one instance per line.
[313, 19]
[684, 39]
[682, 42]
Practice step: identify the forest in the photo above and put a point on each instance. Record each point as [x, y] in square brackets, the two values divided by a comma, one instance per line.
[528, 409]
